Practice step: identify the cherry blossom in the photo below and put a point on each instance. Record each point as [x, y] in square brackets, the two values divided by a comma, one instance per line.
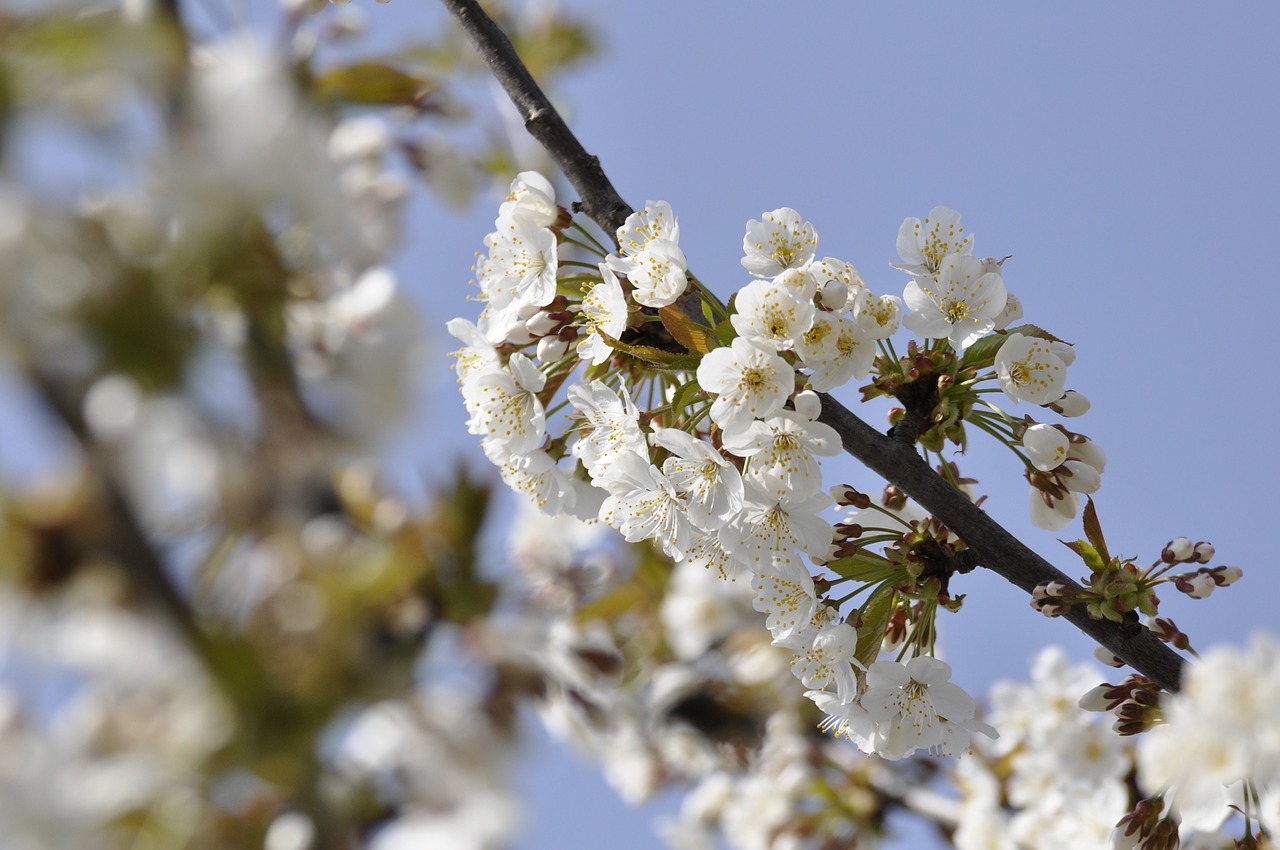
[923, 245]
[1029, 370]
[749, 381]
[960, 303]
[781, 240]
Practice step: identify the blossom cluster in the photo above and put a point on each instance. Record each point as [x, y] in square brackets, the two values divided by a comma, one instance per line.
[697, 425]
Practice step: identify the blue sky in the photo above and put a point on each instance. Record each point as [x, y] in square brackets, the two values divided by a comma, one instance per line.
[1124, 154]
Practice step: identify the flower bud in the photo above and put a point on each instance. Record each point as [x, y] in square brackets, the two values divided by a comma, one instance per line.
[1082, 477]
[834, 294]
[1178, 550]
[1101, 698]
[1072, 403]
[1091, 453]
[517, 334]
[541, 323]
[1196, 585]
[1065, 351]
[808, 405]
[528, 311]
[1223, 576]
[1013, 311]
[844, 494]
[551, 349]
[1204, 552]
[1046, 446]
[1107, 657]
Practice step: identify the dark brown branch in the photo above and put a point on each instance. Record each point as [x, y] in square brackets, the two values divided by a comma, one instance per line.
[896, 461]
[599, 199]
[996, 549]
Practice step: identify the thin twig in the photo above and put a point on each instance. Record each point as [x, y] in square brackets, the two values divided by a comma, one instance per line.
[896, 462]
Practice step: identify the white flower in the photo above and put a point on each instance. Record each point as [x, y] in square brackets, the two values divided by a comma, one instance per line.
[1029, 370]
[655, 221]
[844, 718]
[611, 425]
[855, 352]
[522, 264]
[877, 316]
[477, 354]
[749, 381]
[658, 273]
[531, 196]
[914, 708]
[770, 315]
[604, 310]
[1049, 513]
[1219, 729]
[960, 303]
[644, 505]
[710, 486]
[923, 245]
[773, 524]
[1046, 447]
[651, 257]
[824, 654]
[506, 406]
[707, 552]
[785, 595]
[1011, 313]
[782, 240]
[551, 489]
[818, 343]
[831, 270]
[786, 445]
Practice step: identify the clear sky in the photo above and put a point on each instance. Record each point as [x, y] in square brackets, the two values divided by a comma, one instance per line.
[1124, 154]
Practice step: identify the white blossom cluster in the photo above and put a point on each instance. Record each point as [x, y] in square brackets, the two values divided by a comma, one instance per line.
[720, 464]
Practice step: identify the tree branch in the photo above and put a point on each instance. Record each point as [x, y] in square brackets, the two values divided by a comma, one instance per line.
[996, 549]
[897, 462]
[599, 199]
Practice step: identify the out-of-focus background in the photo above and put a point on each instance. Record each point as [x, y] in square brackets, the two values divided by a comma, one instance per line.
[1123, 155]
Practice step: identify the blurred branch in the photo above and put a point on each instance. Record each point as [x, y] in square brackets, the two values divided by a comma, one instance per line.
[129, 545]
[897, 462]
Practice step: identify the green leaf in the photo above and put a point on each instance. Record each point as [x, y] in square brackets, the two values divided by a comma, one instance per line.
[374, 83]
[983, 352]
[1087, 553]
[1093, 530]
[866, 567]
[654, 356]
[726, 332]
[1035, 331]
[695, 338]
[682, 395]
[875, 615]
